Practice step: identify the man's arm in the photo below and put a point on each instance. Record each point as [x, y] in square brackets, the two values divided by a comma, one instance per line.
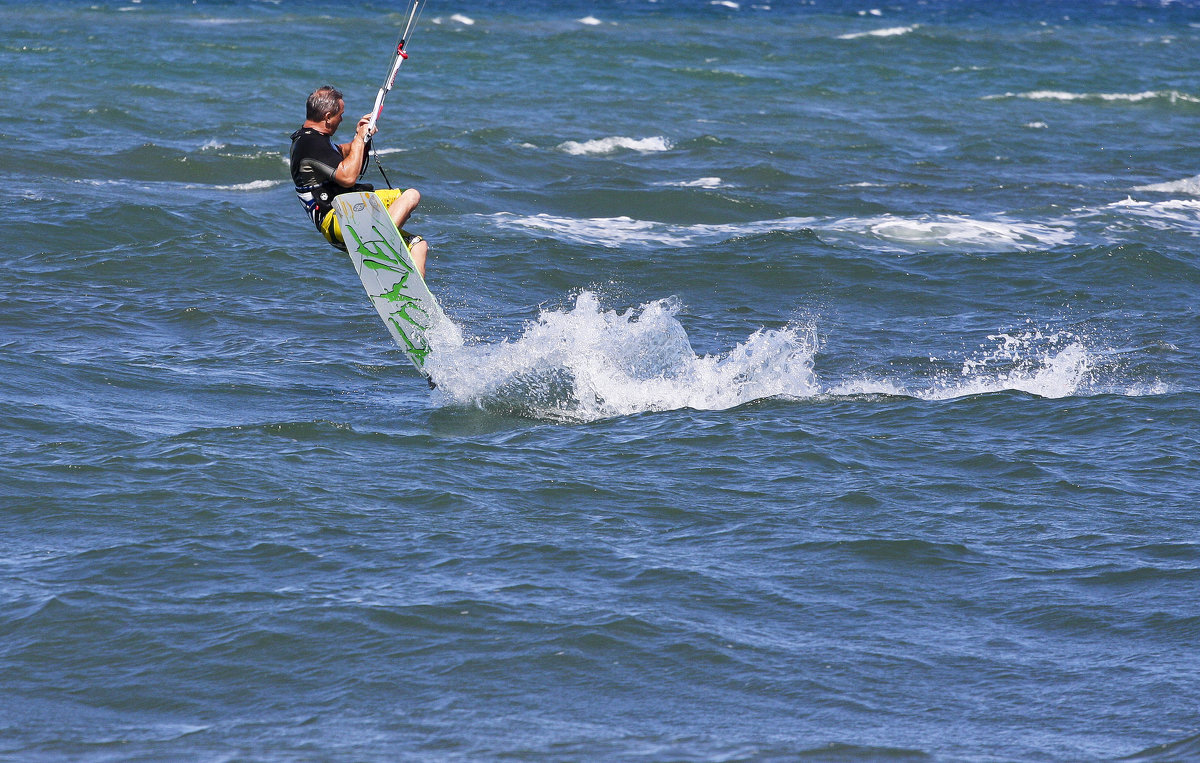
[352, 156]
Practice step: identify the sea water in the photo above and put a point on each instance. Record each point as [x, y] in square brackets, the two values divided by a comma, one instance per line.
[822, 385]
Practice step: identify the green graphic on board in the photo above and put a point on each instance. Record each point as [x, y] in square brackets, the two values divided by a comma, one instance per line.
[385, 267]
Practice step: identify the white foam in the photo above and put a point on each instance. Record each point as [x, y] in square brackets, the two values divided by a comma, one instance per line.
[1172, 96]
[253, 185]
[588, 363]
[614, 144]
[1055, 372]
[1030, 360]
[924, 233]
[1171, 214]
[457, 18]
[895, 31]
[708, 183]
[216, 22]
[1036, 125]
[590, 21]
[626, 231]
[955, 231]
[726, 4]
[1190, 186]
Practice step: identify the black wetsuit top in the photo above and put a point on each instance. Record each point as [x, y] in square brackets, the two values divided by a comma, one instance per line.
[315, 159]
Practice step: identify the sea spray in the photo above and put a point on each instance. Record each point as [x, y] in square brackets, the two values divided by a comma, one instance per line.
[589, 363]
[1050, 364]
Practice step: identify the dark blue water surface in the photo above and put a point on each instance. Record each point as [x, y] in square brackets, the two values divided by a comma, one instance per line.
[826, 389]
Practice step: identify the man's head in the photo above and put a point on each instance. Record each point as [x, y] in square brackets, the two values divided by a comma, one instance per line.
[326, 105]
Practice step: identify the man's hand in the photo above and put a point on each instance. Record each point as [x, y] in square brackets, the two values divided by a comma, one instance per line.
[364, 129]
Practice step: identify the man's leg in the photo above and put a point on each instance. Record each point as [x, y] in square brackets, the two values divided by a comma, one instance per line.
[402, 208]
[419, 250]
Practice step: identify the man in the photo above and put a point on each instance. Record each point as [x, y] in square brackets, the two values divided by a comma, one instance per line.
[322, 169]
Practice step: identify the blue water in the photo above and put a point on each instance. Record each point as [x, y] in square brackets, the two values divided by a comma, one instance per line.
[826, 389]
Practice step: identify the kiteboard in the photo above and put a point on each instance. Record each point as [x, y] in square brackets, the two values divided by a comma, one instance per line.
[386, 269]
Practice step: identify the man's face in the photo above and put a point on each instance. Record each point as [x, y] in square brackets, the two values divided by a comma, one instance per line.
[335, 120]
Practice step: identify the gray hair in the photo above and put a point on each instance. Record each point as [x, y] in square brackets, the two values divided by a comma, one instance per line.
[324, 100]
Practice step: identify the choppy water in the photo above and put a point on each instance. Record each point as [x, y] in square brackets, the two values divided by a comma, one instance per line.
[826, 386]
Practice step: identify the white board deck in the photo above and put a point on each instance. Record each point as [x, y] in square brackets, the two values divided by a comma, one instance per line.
[385, 267]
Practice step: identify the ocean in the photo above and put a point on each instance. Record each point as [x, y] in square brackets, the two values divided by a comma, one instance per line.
[824, 385]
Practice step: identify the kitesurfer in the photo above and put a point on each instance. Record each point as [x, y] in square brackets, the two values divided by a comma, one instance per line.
[322, 169]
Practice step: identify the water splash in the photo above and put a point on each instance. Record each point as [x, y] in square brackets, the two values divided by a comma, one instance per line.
[588, 363]
[1050, 364]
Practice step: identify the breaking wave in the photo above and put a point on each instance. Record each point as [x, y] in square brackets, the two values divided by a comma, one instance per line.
[587, 363]
[1170, 96]
[611, 145]
[885, 231]
[1190, 186]
[889, 32]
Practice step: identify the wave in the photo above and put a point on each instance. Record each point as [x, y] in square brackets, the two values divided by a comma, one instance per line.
[957, 232]
[587, 363]
[1174, 214]
[1187, 748]
[625, 231]
[614, 144]
[895, 31]
[1051, 365]
[707, 183]
[906, 233]
[457, 18]
[1190, 186]
[253, 185]
[1171, 96]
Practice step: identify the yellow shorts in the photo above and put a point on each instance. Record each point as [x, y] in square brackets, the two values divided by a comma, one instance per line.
[333, 232]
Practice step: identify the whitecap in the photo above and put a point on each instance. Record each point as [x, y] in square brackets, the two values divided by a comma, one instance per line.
[587, 363]
[254, 185]
[604, 231]
[1190, 186]
[1172, 96]
[707, 183]
[613, 144]
[889, 32]
[905, 233]
[590, 21]
[956, 231]
[1031, 360]
[626, 231]
[1173, 214]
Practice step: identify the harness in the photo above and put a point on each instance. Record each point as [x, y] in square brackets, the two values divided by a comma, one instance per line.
[317, 195]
